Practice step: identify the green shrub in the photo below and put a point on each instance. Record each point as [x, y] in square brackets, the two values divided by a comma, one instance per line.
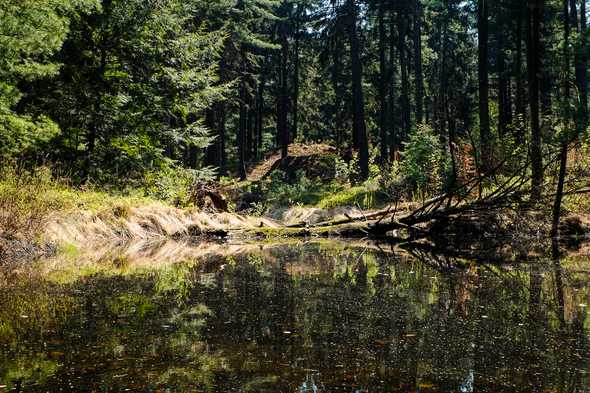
[423, 160]
[280, 193]
[172, 184]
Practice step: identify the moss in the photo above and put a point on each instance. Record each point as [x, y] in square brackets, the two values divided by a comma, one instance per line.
[365, 196]
[69, 250]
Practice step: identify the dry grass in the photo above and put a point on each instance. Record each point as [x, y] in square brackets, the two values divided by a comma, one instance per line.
[34, 207]
[150, 221]
[25, 204]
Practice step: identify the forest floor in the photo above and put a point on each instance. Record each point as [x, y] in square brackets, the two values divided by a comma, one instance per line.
[297, 152]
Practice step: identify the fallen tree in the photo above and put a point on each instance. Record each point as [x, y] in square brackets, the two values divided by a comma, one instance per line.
[465, 211]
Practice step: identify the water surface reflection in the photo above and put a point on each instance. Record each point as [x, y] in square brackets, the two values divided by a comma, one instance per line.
[320, 317]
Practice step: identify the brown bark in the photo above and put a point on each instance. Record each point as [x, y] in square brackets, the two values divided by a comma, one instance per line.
[534, 74]
[485, 135]
[383, 85]
[358, 103]
[418, 77]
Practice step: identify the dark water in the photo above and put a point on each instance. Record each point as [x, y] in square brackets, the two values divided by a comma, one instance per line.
[314, 318]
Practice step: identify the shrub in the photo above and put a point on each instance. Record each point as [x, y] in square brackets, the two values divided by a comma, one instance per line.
[25, 203]
[423, 159]
[282, 193]
[344, 170]
[173, 184]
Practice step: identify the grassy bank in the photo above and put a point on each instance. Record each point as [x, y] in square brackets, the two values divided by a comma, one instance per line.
[37, 210]
[28, 200]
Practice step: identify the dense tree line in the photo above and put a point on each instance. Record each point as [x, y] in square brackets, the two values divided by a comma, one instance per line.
[110, 88]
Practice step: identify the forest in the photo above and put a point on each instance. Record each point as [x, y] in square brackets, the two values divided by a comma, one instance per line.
[259, 104]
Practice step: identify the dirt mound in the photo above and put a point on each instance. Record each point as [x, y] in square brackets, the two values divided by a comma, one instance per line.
[299, 156]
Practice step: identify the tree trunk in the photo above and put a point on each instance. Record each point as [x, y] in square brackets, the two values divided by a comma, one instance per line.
[559, 193]
[283, 93]
[296, 73]
[566, 56]
[534, 71]
[241, 140]
[405, 84]
[484, 111]
[451, 141]
[566, 90]
[383, 84]
[418, 77]
[573, 15]
[567, 117]
[518, 73]
[440, 104]
[393, 137]
[358, 110]
[583, 65]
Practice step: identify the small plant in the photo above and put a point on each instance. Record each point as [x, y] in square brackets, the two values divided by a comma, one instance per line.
[257, 209]
[172, 184]
[423, 160]
[342, 170]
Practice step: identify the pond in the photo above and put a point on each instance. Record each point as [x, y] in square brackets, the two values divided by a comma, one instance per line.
[325, 316]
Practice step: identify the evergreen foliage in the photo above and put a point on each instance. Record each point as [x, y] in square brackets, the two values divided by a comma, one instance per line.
[114, 91]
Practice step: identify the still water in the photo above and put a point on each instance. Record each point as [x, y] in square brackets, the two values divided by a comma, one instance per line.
[314, 317]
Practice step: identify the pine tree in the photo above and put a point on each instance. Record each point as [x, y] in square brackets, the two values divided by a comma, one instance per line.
[31, 32]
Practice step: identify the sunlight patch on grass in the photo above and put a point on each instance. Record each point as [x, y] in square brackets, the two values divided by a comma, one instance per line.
[365, 196]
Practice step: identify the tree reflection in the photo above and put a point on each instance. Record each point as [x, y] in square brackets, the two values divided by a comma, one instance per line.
[314, 319]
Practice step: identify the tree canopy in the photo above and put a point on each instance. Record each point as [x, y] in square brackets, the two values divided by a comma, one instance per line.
[112, 90]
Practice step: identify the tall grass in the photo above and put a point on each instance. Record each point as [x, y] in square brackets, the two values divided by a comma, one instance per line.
[25, 203]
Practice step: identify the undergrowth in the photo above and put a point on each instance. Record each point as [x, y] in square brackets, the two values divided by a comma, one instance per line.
[29, 198]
